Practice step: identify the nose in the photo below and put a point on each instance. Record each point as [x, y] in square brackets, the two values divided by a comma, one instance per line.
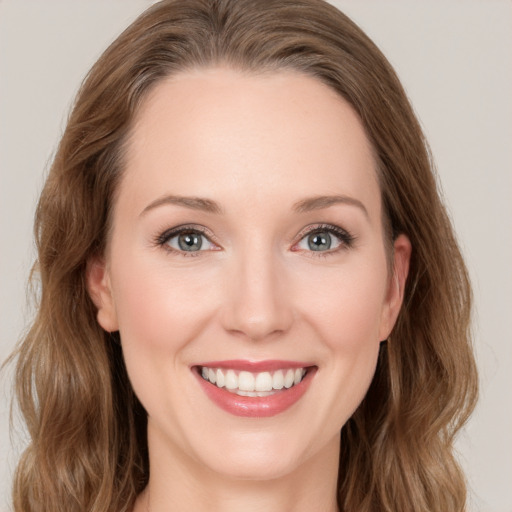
[258, 304]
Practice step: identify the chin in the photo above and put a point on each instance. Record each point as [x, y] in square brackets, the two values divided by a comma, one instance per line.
[254, 456]
[259, 468]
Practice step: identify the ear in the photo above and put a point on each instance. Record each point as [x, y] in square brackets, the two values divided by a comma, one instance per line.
[100, 291]
[395, 294]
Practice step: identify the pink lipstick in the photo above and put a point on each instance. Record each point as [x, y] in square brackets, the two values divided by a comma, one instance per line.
[254, 389]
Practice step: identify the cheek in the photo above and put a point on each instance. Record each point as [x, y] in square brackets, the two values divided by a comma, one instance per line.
[159, 309]
[160, 312]
[343, 307]
[346, 304]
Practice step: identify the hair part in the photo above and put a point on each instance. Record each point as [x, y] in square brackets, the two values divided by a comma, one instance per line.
[88, 448]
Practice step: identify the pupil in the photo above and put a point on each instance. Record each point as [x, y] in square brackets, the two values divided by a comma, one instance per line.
[189, 242]
[319, 241]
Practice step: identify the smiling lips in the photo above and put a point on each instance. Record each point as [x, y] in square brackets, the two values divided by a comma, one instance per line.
[242, 389]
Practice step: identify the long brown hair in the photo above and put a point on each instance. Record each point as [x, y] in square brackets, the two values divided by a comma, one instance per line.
[88, 448]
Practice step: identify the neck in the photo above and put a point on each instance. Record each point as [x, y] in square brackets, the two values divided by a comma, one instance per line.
[180, 484]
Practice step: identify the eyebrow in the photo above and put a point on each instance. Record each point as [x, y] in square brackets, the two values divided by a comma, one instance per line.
[193, 203]
[320, 202]
[209, 206]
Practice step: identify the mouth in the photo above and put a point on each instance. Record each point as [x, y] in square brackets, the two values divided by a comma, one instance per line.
[260, 384]
[252, 389]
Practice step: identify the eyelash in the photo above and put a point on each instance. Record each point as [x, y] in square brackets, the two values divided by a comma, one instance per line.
[163, 239]
[346, 239]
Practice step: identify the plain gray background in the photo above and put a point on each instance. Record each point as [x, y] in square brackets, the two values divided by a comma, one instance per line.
[454, 58]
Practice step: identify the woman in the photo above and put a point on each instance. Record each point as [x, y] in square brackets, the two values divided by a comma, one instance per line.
[242, 204]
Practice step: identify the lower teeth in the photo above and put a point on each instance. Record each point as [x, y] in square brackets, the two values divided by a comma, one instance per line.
[252, 393]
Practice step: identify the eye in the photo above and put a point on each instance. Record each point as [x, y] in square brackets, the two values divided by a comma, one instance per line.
[325, 239]
[319, 241]
[186, 240]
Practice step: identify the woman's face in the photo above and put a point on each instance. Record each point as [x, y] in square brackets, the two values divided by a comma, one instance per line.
[247, 246]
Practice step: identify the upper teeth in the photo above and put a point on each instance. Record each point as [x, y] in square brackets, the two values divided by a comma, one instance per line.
[253, 384]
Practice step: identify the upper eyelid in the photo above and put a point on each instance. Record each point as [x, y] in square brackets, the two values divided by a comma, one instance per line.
[322, 227]
[176, 230]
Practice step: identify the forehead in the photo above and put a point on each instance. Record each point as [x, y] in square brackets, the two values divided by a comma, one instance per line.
[220, 130]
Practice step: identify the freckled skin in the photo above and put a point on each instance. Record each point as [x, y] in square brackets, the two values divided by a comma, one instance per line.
[256, 145]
